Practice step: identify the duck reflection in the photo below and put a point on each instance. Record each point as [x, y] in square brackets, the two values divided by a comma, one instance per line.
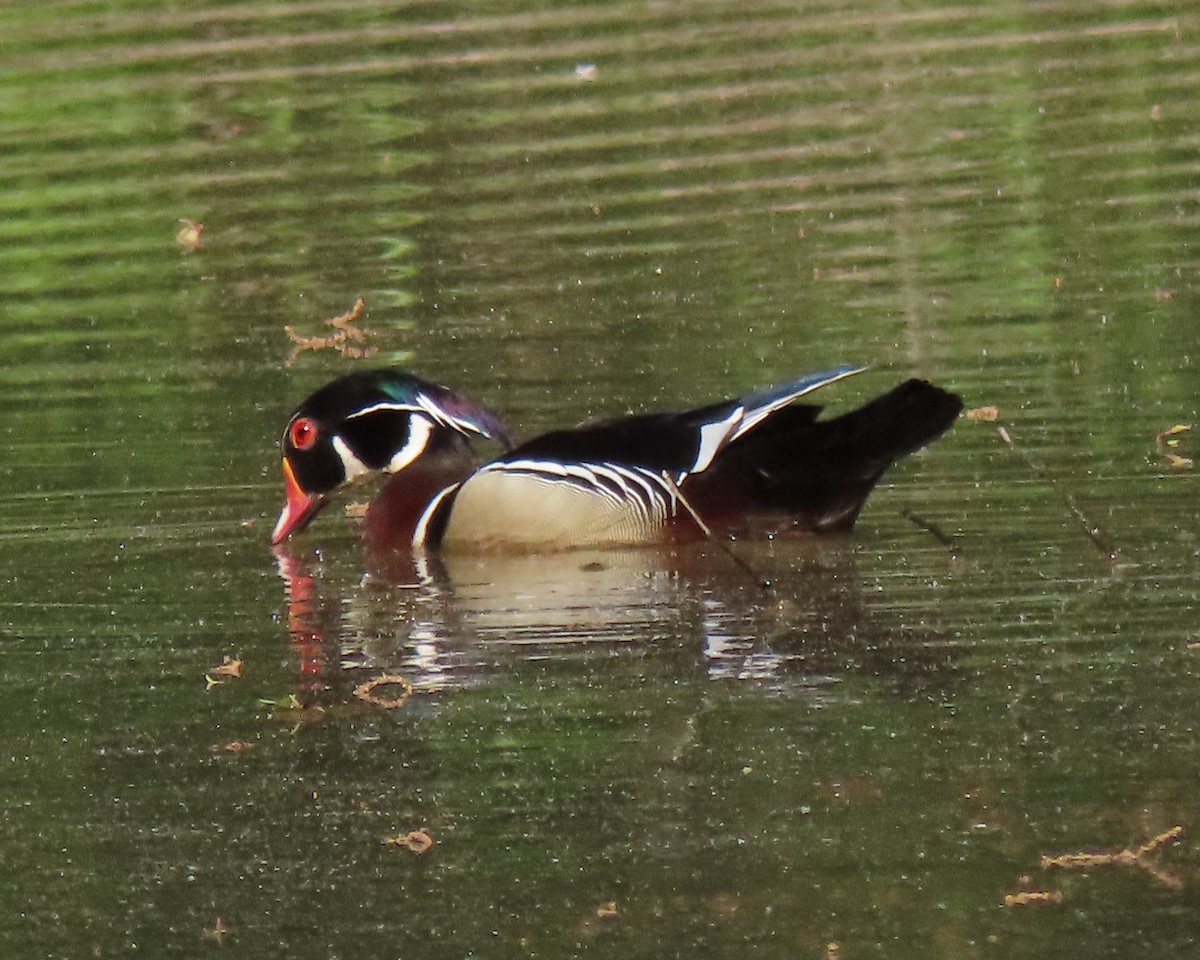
[453, 621]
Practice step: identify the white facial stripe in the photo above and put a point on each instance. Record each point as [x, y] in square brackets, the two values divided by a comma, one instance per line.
[353, 467]
[385, 405]
[423, 405]
[420, 428]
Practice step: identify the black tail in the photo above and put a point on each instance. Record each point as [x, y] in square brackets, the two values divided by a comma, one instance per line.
[818, 473]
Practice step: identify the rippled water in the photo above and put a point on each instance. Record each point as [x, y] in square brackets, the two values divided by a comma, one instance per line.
[569, 211]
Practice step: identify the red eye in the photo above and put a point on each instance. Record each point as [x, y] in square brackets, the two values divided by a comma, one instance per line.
[303, 433]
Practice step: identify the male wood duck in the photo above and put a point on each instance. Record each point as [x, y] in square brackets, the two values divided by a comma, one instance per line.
[761, 461]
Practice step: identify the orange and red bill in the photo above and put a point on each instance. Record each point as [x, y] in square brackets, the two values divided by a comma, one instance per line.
[299, 508]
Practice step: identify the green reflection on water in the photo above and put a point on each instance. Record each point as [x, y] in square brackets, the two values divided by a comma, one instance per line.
[872, 755]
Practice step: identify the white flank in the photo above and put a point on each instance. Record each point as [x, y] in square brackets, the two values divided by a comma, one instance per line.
[522, 503]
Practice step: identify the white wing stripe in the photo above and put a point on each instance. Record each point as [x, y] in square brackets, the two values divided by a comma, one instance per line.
[713, 437]
[440, 415]
[757, 415]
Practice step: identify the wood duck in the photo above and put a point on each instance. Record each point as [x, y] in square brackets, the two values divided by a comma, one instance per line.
[761, 461]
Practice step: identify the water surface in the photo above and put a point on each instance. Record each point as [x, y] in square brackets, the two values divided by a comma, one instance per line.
[569, 211]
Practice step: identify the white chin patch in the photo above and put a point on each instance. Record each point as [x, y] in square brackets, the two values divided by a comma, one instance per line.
[420, 428]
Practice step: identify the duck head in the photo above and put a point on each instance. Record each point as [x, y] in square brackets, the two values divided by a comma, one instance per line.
[378, 421]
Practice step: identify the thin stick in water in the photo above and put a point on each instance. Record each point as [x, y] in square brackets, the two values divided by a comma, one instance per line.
[1093, 530]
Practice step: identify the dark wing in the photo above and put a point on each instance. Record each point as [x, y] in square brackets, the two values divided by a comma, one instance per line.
[677, 443]
[818, 473]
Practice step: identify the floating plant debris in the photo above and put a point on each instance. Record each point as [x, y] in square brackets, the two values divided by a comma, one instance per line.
[348, 338]
[419, 842]
[366, 691]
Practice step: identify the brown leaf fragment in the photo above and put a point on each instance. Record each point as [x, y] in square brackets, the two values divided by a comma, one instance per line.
[416, 841]
[233, 746]
[366, 691]
[297, 714]
[190, 236]
[228, 667]
[983, 414]
[1165, 442]
[1026, 898]
[591, 923]
[1164, 437]
[216, 933]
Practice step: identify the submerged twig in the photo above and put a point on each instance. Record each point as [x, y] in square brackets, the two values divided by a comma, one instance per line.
[1093, 530]
[764, 582]
[933, 530]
